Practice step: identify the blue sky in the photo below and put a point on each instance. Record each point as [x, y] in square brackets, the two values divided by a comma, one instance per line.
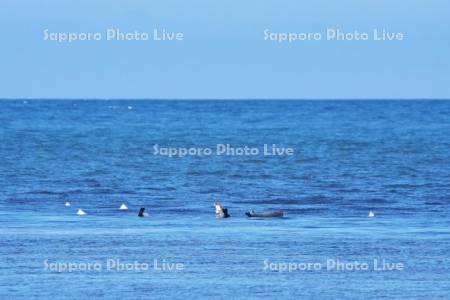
[223, 54]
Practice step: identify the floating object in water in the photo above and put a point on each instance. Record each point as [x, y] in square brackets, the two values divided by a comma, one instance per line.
[67, 204]
[130, 107]
[371, 214]
[123, 207]
[265, 214]
[225, 213]
[81, 212]
[221, 212]
[142, 213]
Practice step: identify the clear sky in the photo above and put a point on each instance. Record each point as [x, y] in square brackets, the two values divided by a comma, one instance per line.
[224, 54]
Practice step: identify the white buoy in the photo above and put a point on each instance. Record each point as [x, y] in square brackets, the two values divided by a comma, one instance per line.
[371, 214]
[81, 212]
[123, 207]
[67, 204]
[130, 107]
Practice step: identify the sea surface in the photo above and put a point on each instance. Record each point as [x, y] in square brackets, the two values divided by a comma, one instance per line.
[350, 157]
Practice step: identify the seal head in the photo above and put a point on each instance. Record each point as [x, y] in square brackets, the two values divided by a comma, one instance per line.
[142, 212]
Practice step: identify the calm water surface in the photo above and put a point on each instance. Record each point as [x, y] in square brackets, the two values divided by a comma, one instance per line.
[350, 157]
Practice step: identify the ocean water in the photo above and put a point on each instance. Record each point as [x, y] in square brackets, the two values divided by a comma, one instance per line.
[392, 157]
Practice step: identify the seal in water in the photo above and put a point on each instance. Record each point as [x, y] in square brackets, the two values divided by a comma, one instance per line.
[265, 214]
[221, 212]
[142, 213]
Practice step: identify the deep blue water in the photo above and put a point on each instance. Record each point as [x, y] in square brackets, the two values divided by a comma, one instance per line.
[350, 157]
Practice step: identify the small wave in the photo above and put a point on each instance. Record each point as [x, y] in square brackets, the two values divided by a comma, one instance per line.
[210, 191]
[91, 182]
[183, 210]
[252, 177]
[320, 200]
[406, 209]
[162, 189]
[273, 202]
[164, 198]
[353, 190]
[306, 210]
[332, 185]
[104, 191]
[44, 192]
[434, 203]
[152, 205]
[236, 175]
[408, 171]
[346, 144]
[307, 160]
[203, 173]
[407, 186]
[377, 201]
[254, 161]
[283, 201]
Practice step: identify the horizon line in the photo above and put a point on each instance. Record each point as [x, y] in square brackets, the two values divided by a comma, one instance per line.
[225, 99]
